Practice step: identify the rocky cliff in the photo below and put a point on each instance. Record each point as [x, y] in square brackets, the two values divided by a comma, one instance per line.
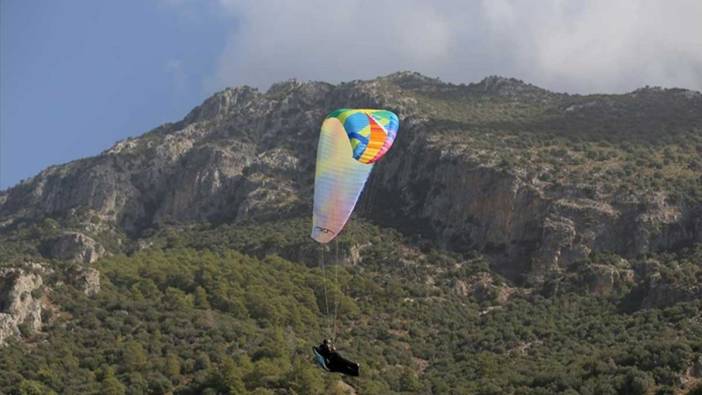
[20, 302]
[536, 180]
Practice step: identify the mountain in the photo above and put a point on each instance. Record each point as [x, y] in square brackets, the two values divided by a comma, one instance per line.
[497, 192]
[536, 179]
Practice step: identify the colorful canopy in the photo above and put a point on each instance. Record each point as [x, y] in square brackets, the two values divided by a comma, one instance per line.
[351, 141]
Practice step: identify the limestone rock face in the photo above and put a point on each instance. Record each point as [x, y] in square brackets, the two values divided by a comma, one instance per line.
[88, 280]
[354, 254]
[18, 302]
[341, 387]
[482, 286]
[447, 195]
[605, 279]
[77, 247]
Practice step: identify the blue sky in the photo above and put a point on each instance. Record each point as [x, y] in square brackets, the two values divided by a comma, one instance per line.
[78, 75]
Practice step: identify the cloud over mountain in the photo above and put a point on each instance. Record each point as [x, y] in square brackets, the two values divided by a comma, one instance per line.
[563, 45]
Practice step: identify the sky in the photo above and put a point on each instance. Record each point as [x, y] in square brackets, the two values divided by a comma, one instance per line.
[78, 75]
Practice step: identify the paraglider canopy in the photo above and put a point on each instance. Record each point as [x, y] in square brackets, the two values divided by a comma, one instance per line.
[350, 142]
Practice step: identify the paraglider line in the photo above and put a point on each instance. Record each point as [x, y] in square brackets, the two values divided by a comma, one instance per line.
[336, 284]
[324, 287]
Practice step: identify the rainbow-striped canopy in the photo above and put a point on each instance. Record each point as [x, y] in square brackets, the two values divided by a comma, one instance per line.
[350, 142]
[371, 132]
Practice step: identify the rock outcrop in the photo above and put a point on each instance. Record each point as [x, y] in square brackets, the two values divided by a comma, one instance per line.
[341, 387]
[76, 247]
[482, 287]
[605, 280]
[20, 302]
[87, 279]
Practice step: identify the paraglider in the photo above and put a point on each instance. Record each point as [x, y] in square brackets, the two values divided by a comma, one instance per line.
[350, 142]
[328, 359]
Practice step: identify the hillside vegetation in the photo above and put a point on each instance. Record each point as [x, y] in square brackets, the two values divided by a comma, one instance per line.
[513, 241]
[210, 311]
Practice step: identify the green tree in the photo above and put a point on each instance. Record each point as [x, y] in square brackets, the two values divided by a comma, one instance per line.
[638, 382]
[176, 299]
[304, 379]
[111, 385]
[137, 383]
[134, 357]
[173, 367]
[31, 387]
[409, 381]
[231, 376]
[201, 300]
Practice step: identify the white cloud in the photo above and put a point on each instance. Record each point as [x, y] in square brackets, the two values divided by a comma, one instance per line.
[604, 45]
[598, 45]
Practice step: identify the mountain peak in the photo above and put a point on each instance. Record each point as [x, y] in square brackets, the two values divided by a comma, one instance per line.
[222, 103]
[407, 74]
[284, 86]
[657, 90]
[411, 79]
[505, 86]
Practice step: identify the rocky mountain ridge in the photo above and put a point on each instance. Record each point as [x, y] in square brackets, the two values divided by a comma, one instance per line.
[246, 155]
